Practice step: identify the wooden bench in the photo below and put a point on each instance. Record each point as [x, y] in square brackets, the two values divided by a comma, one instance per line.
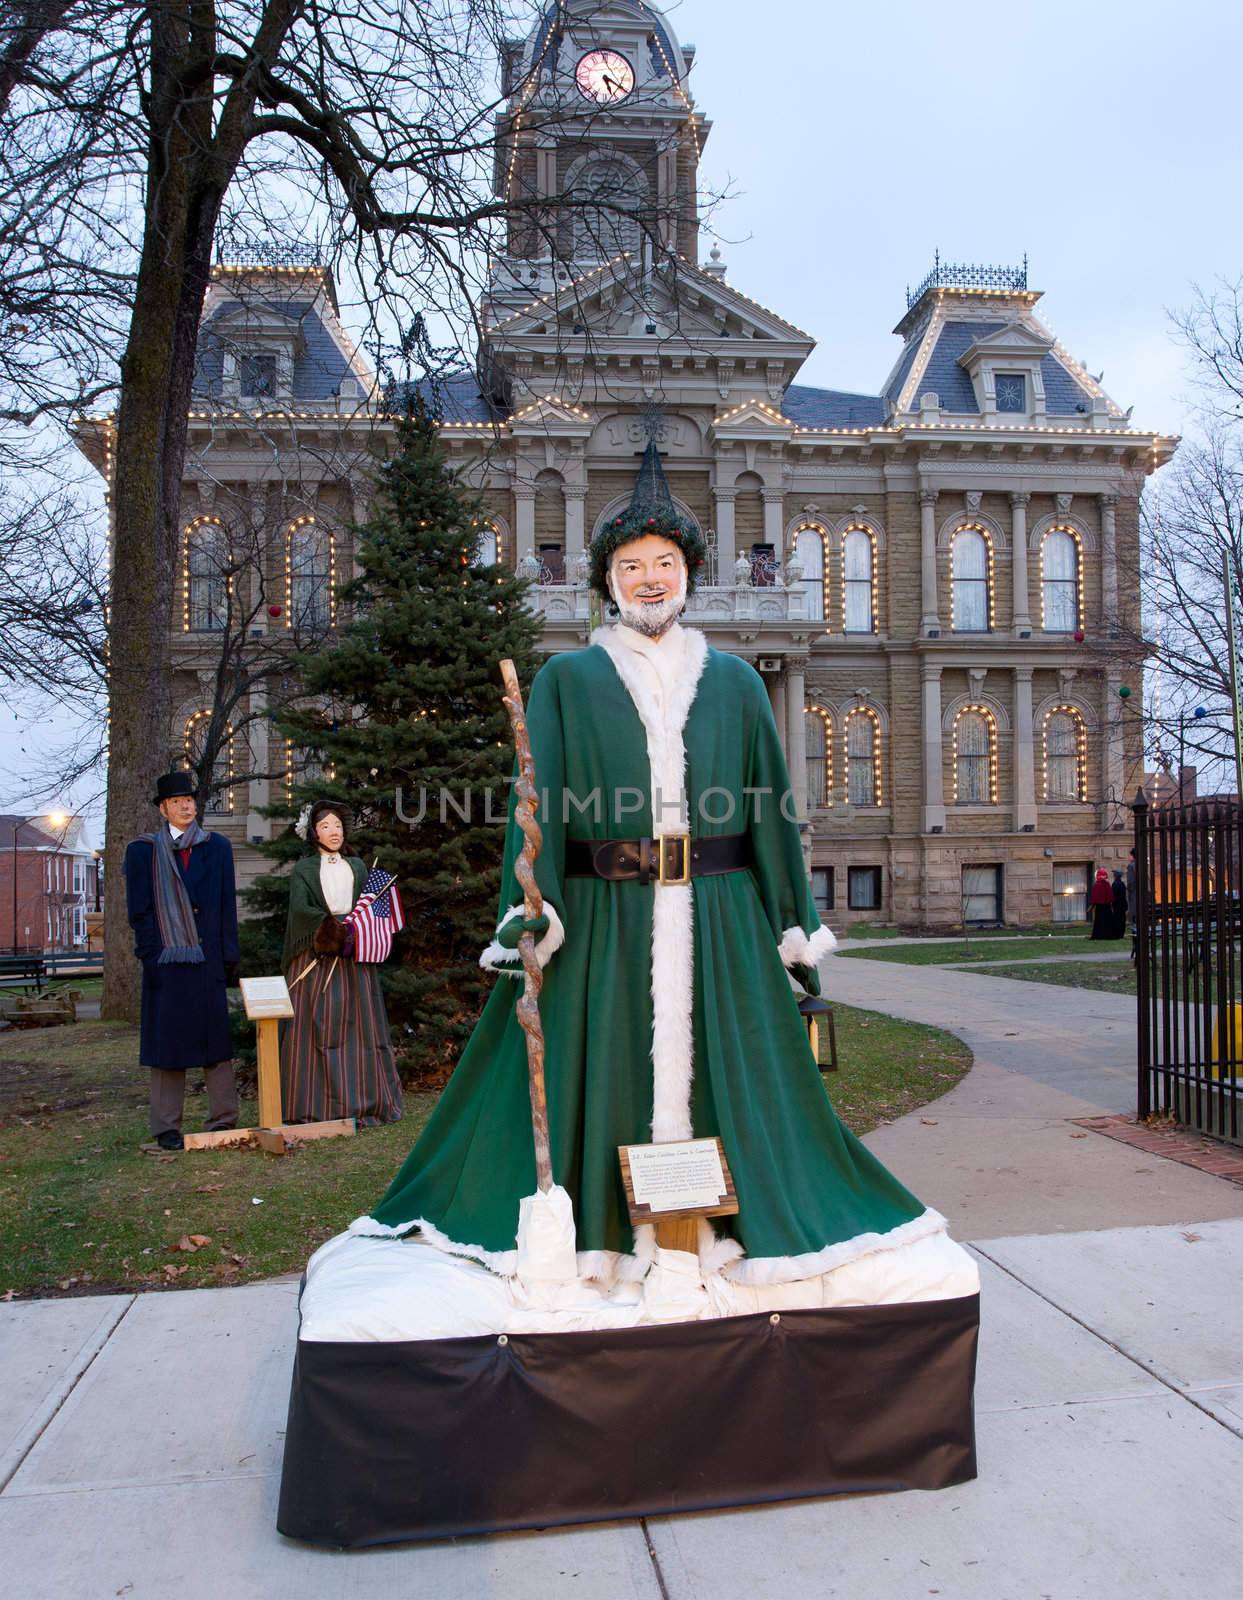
[28, 970]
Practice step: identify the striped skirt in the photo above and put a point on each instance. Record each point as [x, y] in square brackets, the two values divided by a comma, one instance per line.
[336, 1051]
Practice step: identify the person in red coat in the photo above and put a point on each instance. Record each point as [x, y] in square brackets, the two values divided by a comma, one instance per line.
[1101, 903]
[182, 906]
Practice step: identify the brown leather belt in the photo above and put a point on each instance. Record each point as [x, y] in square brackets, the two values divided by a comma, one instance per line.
[671, 858]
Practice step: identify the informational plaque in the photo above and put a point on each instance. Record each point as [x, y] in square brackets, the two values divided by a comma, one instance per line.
[686, 1178]
[266, 997]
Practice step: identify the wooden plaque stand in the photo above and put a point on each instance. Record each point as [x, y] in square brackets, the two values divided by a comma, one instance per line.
[267, 1001]
[677, 1229]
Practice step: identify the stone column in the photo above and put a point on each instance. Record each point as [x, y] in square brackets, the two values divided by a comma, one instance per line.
[1018, 564]
[774, 520]
[524, 520]
[574, 494]
[775, 684]
[934, 781]
[796, 731]
[929, 621]
[1112, 796]
[725, 551]
[1024, 752]
[258, 790]
[1109, 563]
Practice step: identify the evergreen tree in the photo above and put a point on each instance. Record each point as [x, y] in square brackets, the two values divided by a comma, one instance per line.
[413, 728]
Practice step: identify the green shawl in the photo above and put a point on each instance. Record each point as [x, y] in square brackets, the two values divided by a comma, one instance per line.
[307, 906]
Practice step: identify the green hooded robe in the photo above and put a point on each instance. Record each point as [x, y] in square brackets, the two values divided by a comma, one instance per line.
[667, 1011]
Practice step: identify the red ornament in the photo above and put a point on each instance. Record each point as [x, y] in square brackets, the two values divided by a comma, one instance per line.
[651, 522]
[1079, 636]
[275, 611]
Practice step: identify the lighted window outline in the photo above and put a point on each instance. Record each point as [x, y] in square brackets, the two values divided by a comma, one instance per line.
[1080, 753]
[1074, 534]
[990, 586]
[870, 716]
[188, 539]
[484, 557]
[327, 769]
[870, 534]
[224, 799]
[991, 724]
[825, 802]
[295, 527]
[821, 534]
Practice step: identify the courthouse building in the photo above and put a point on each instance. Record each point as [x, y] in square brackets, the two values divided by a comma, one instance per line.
[933, 580]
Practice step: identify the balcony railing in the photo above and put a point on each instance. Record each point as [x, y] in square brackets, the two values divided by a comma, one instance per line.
[947, 275]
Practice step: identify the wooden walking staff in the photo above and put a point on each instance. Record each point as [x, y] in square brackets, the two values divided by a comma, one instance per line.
[532, 906]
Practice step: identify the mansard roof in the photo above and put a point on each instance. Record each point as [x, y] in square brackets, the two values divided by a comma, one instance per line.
[936, 344]
[832, 408]
[322, 355]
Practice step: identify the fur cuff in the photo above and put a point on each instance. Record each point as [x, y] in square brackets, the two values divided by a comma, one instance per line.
[496, 958]
[798, 949]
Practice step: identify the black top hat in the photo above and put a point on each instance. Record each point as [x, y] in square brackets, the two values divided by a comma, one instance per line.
[172, 784]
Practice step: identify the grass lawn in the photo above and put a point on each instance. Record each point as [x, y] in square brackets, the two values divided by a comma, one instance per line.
[1113, 977]
[860, 930]
[982, 947]
[84, 1210]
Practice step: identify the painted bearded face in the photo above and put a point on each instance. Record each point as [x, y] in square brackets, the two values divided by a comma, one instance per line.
[647, 578]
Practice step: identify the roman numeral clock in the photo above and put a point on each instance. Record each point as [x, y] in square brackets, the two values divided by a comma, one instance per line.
[604, 76]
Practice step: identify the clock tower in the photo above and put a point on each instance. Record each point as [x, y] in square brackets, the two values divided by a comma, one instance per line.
[598, 117]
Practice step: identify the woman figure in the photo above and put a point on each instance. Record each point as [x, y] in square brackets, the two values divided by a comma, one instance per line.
[336, 1051]
[1118, 891]
[1101, 901]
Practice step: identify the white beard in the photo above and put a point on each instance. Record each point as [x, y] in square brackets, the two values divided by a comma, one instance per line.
[645, 618]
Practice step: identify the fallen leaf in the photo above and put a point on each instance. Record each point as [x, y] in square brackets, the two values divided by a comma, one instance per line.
[1078, 1135]
[184, 1244]
[170, 1271]
[199, 1239]
[167, 1211]
[929, 1122]
[1193, 1238]
[9, 1294]
[209, 1188]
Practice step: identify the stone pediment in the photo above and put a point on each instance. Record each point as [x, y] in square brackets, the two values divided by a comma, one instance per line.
[1017, 341]
[750, 420]
[677, 303]
[551, 414]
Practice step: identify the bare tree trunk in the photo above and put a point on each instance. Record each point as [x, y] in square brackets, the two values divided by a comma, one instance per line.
[183, 201]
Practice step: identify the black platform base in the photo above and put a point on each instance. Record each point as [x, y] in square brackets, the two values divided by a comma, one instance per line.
[445, 1437]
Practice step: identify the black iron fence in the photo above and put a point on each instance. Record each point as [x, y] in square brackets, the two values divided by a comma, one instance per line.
[1188, 947]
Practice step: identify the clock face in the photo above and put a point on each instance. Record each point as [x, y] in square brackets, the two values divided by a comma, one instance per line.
[604, 76]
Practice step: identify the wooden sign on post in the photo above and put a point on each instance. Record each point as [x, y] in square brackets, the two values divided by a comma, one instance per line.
[267, 1001]
[675, 1184]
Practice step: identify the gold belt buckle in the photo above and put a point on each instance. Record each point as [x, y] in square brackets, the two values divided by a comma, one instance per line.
[684, 876]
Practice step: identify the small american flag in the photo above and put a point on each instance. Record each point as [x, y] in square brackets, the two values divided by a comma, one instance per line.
[376, 917]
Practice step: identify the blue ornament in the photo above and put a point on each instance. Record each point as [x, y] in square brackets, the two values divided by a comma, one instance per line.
[1199, 712]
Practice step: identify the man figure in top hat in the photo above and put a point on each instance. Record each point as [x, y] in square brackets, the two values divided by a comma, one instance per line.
[183, 910]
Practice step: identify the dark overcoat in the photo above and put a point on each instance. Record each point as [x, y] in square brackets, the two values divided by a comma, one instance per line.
[185, 1011]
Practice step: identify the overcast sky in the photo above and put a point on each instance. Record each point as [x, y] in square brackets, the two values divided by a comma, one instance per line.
[1098, 136]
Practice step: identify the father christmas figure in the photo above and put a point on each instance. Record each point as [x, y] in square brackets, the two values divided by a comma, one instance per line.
[677, 903]
[183, 910]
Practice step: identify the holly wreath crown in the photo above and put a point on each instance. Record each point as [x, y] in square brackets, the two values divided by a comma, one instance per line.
[636, 523]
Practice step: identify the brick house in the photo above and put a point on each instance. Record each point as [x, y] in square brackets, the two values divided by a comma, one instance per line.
[47, 883]
[933, 580]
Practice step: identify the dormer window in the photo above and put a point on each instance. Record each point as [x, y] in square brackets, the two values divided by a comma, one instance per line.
[256, 375]
[1012, 392]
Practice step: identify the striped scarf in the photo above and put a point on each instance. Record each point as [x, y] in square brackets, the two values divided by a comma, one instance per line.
[179, 934]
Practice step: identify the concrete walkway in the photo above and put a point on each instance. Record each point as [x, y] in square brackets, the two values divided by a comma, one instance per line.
[141, 1436]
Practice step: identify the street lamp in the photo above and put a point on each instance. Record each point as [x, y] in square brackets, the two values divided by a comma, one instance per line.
[59, 820]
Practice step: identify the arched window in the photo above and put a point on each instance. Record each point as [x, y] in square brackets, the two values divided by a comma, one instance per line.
[1065, 755]
[206, 607]
[859, 581]
[1060, 582]
[971, 571]
[819, 725]
[310, 576]
[219, 795]
[604, 194]
[809, 553]
[863, 786]
[487, 547]
[975, 757]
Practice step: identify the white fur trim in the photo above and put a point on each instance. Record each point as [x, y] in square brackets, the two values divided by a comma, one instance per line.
[683, 654]
[497, 958]
[799, 949]
[605, 1266]
[760, 1270]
